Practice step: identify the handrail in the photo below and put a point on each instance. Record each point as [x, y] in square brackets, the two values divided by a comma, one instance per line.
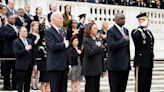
[11, 59]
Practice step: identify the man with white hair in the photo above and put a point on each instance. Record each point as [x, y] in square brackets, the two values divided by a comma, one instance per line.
[57, 56]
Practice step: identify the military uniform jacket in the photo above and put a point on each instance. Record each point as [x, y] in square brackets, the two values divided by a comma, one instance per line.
[144, 44]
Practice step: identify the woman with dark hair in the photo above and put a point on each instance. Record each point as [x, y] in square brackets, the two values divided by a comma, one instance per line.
[93, 65]
[38, 12]
[72, 30]
[3, 16]
[67, 16]
[41, 19]
[75, 74]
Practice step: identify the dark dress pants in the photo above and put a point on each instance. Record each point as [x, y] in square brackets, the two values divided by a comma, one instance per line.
[58, 81]
[23, 78]
[118, 80]
[92, 83]
[144, 79]
[9, 66]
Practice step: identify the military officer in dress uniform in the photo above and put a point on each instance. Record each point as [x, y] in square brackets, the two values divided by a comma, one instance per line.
[81, 27]
[143, 60]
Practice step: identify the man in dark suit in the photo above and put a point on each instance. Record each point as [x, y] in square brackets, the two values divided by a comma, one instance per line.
[20, 19]
[23, 50]
[28, 18]
[118, 63]
[143, 60]
[2, 42]
[10, 33]
[10, 8]
[52, 8]
[57, 54]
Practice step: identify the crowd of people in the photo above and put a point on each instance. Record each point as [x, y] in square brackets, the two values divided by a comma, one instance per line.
[67, 50]
[140, 3]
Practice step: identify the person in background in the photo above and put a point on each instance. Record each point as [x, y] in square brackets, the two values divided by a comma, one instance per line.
[28, 18]
[38, 12]
[3, 14]
[144, 54]
[118, 63]
[44, 75]
[35, 37]
[81, 27]
[40, 52]
[41, 19]
[20, 19]
[10, 33]
[93, 65]
[10, 8]
[103, 36]
[72, 30]
[3, 22]
[67, 16]
[75, 74]
[23, 50]
[52, 8]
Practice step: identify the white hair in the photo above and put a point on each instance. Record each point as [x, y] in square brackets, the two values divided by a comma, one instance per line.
[54, 14]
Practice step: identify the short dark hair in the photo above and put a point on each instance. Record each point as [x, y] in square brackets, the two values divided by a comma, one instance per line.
[74, 37]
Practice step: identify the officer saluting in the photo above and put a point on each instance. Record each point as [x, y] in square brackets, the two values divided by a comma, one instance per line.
[143, 60]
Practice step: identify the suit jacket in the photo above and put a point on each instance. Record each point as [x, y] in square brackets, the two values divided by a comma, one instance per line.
[49, 16]
[1, 42]
[24, 59]
[28, 20]
[74, 56]
[18, 22]
[57, 54]
[9, 36]
[11, 13]
[93, 63]
[36, 18]
[119, 53]
[143, 52]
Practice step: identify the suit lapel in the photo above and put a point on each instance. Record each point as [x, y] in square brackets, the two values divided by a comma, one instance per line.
[59, 37]
[126, 31]
[20, 20]
[21, 43]
[117, 31]
[11, 27]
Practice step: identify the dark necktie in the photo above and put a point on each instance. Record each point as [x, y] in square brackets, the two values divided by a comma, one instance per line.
[61, 33]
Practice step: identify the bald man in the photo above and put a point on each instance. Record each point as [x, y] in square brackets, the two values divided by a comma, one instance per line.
[57, 55]
[10, 8]
[118, 63]
[52, 8]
